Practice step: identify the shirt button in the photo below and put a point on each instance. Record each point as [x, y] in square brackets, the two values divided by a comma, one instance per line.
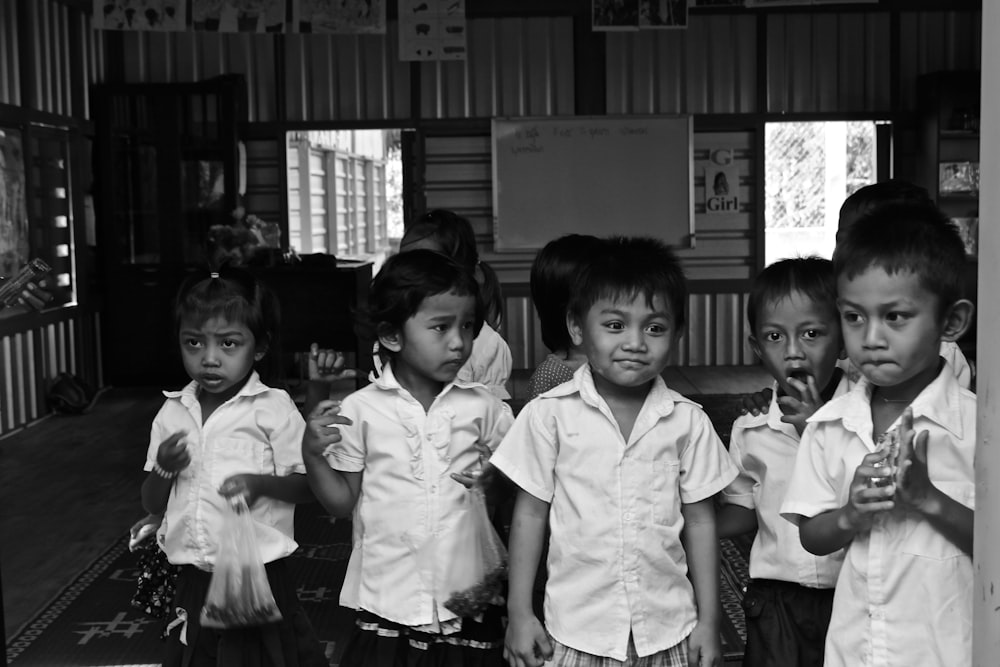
[627, 516]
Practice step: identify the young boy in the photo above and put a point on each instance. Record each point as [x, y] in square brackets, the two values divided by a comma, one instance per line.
[624, 472]
[904, 594]
[792, 312]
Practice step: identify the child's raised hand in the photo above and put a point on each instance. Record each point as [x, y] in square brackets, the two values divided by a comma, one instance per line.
[867, 495]
[913, 485]
[321, 428]
[756, 403]
[480, 473]
[526, 643]
[797, 409]
[172, 456]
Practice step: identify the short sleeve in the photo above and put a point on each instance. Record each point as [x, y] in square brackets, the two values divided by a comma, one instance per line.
[740, 490]
[502, 418]
[157, 435]
[813, 488]
[286, 439]
[705, 465]
[348, 455]
[527, 454]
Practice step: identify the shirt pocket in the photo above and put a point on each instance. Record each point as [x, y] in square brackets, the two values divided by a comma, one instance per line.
[660, 477]
[232, 456]
[922, 540]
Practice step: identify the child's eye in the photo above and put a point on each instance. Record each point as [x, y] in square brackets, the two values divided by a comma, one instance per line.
[468, 325]
[615, 325]
[772, 336]
[656, 329]
[811, 334]
[229, 343]
[850, 317]
[895, 317]
[191, 342]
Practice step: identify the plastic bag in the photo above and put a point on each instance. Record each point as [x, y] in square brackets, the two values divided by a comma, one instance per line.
[477, 570]
[239, 594]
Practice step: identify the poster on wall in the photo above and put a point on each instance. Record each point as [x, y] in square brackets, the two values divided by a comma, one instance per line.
[432, 30]
[13, 206]
[663, 14]
[162, 15]
[722, 187]
[364, 17]
[238, 15]
[612, 15]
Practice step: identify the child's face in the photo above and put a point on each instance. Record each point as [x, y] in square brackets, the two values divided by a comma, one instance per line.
[627, 342]
[218, 354]
[798, 337]
[892, 327]
[435, 342]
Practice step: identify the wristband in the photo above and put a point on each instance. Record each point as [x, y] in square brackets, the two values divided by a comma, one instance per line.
[165, 474]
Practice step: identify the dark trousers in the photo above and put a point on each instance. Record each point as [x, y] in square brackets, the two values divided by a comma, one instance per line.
[786, 624]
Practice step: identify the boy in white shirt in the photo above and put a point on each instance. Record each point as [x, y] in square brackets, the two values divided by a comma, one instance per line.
[904, 594]
[792, 312]
[624, 471]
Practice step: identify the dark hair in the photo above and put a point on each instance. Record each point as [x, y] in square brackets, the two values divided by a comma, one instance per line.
[234, 294]
[810, 276]
[402, 284]
[865, 200]
[452, 235]
[553, 272]
[906, 237]
[627, 267]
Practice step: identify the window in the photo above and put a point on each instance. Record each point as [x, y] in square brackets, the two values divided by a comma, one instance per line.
[810, 168]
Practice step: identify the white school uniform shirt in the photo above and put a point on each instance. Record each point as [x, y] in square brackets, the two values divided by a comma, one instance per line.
[763, 448]
[257, 431]
[490, 362]
[409, 506]
[616, 564]
[904, 595]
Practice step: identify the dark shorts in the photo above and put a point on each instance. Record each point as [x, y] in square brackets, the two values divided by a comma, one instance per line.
[786, 624]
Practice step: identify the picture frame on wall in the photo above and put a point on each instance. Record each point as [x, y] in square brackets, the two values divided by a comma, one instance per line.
[614, 15]
[958, 178]
[663, 14]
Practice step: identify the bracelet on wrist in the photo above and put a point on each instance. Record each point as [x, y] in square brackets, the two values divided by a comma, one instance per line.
[165, 474]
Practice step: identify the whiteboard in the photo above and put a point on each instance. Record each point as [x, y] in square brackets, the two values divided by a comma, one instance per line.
[628, 175]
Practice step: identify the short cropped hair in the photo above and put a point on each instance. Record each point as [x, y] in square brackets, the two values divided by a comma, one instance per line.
[812, 277]
[553, 273]
[906, 237]
[884, 193]
[628, 267]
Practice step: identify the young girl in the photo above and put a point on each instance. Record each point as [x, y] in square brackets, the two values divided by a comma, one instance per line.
[227, 434]
[397, 449]
[451, 234]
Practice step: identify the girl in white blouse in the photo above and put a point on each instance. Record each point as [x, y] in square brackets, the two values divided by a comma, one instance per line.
[393, 454]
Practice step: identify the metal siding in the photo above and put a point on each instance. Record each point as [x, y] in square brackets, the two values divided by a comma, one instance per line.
[10, 68]
[708, 68]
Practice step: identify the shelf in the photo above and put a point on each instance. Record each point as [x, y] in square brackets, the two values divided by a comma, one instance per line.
[959, 134]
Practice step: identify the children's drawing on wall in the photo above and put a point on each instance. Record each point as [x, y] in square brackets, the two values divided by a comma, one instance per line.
[238, 15]
[663, 13]
[13, 207]
[722, 183]
[432, 30]
[140, 14]
[344, 16]
[615, 14]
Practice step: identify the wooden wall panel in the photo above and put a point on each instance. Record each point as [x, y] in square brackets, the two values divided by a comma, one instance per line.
[10, 59]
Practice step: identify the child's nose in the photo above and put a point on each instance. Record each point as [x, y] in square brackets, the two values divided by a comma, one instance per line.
[635, 340]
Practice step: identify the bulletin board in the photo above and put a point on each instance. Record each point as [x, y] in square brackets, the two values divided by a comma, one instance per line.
[628, 175]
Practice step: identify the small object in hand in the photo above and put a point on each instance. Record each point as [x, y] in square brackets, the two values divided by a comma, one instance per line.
[475, 599]
[135, 540]
[888, 440]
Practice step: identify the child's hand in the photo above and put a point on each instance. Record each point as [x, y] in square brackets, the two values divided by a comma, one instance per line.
[321, 429]
[866, 499]
[757, 403]
[797, 409]
[243, 484]
[913, 486]
[328, 364]
[480, 473]
[172, 455]
[526, 643]
[142, 529]
[704, 647]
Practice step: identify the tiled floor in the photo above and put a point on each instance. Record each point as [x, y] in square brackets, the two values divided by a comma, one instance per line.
[69, 485]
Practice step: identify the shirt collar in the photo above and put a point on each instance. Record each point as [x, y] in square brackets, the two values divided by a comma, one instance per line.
[386, 380]
[189, 394]
[938, 402]
[661, 399]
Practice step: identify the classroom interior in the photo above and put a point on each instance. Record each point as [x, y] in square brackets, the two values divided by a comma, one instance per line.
[120, 131]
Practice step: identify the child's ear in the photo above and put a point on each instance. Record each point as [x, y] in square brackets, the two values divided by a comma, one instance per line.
[957, 320]
[574, 328]
[390, 339]
[261, 350]
[755, 346]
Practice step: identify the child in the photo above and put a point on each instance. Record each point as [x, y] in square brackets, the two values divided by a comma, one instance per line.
[624, 471]
[904, 593]
[553, 272]
[395, 450]
[227, 434]
[491, 362]
[795, 325]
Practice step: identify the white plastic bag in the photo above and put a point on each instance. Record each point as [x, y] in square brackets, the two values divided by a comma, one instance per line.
[477, 568]
[239, 594]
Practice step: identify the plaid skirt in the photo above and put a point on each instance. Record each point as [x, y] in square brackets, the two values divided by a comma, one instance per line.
[564, 656]
[376, 642]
